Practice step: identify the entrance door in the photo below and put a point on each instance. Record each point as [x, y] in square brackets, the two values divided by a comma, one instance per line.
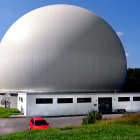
[105, 105]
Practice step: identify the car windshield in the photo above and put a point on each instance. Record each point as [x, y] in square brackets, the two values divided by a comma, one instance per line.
[40, 122]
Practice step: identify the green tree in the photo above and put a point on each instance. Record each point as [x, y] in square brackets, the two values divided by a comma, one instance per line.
[132, 83]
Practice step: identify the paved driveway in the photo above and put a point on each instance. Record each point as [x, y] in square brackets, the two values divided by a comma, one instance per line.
[9, 125]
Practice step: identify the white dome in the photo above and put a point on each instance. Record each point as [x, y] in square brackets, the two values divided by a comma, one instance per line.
[61, 48]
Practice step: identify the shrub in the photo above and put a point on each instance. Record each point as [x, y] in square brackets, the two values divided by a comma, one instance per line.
[92, 117]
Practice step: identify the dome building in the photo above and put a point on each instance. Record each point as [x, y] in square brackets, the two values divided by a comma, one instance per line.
[62, 60]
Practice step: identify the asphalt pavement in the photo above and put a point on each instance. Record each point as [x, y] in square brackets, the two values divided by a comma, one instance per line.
[14, 124]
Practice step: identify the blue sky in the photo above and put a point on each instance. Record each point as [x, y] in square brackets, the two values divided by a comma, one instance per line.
[122, 15]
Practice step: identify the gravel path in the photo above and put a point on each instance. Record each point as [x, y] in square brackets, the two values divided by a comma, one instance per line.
[10, 125]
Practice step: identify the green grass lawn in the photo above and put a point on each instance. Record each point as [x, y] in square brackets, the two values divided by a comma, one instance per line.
[123, 128]
[9, 111]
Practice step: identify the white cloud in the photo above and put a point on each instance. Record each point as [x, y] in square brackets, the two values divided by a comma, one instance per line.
[120, 33]
[127, 54]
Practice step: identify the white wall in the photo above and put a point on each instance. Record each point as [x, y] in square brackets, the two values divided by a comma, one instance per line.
[74, 108]
[22, 105]
[127, 105]
[84, 108]
[49, 109]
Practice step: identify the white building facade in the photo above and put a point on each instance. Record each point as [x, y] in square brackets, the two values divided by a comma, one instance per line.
[56, 104]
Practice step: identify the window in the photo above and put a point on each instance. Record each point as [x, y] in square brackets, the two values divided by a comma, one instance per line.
[40, 122]
[32, 121]
[2, 93]
[136, 98]
[123, 99]
[64, 100]
[44, 100]
[12, 94]
[83, 100]
[21, 99]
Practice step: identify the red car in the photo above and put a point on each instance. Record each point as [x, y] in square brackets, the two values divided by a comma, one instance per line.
[38, 123]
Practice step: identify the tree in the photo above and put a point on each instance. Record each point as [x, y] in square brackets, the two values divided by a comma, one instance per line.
[132, 83]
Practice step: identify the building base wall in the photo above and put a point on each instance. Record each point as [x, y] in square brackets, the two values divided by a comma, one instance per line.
[36, 104]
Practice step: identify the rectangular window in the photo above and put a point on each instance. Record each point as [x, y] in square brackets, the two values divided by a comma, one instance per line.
[2, 93]
[64, 100]
[136, 98]
[83, 100]
[12, 94]
[44, 100]
[21, 99]
[123, 99]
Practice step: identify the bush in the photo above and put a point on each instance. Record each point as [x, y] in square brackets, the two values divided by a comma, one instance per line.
[92, 117]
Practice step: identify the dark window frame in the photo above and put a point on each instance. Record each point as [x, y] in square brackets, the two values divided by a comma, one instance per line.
[2, 93]
[21, 99]
[123, 99]
[64, 100]
[12, 94]
[84, 100]
[136, 98]
[44, 100]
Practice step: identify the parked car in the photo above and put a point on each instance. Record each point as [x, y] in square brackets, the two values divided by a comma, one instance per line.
[38, 123]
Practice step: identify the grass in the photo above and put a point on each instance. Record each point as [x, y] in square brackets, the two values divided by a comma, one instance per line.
[9, 111]
[131, 119]
[123, 128]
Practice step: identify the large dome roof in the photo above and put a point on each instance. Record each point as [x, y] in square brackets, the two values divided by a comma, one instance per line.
[61, 48]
